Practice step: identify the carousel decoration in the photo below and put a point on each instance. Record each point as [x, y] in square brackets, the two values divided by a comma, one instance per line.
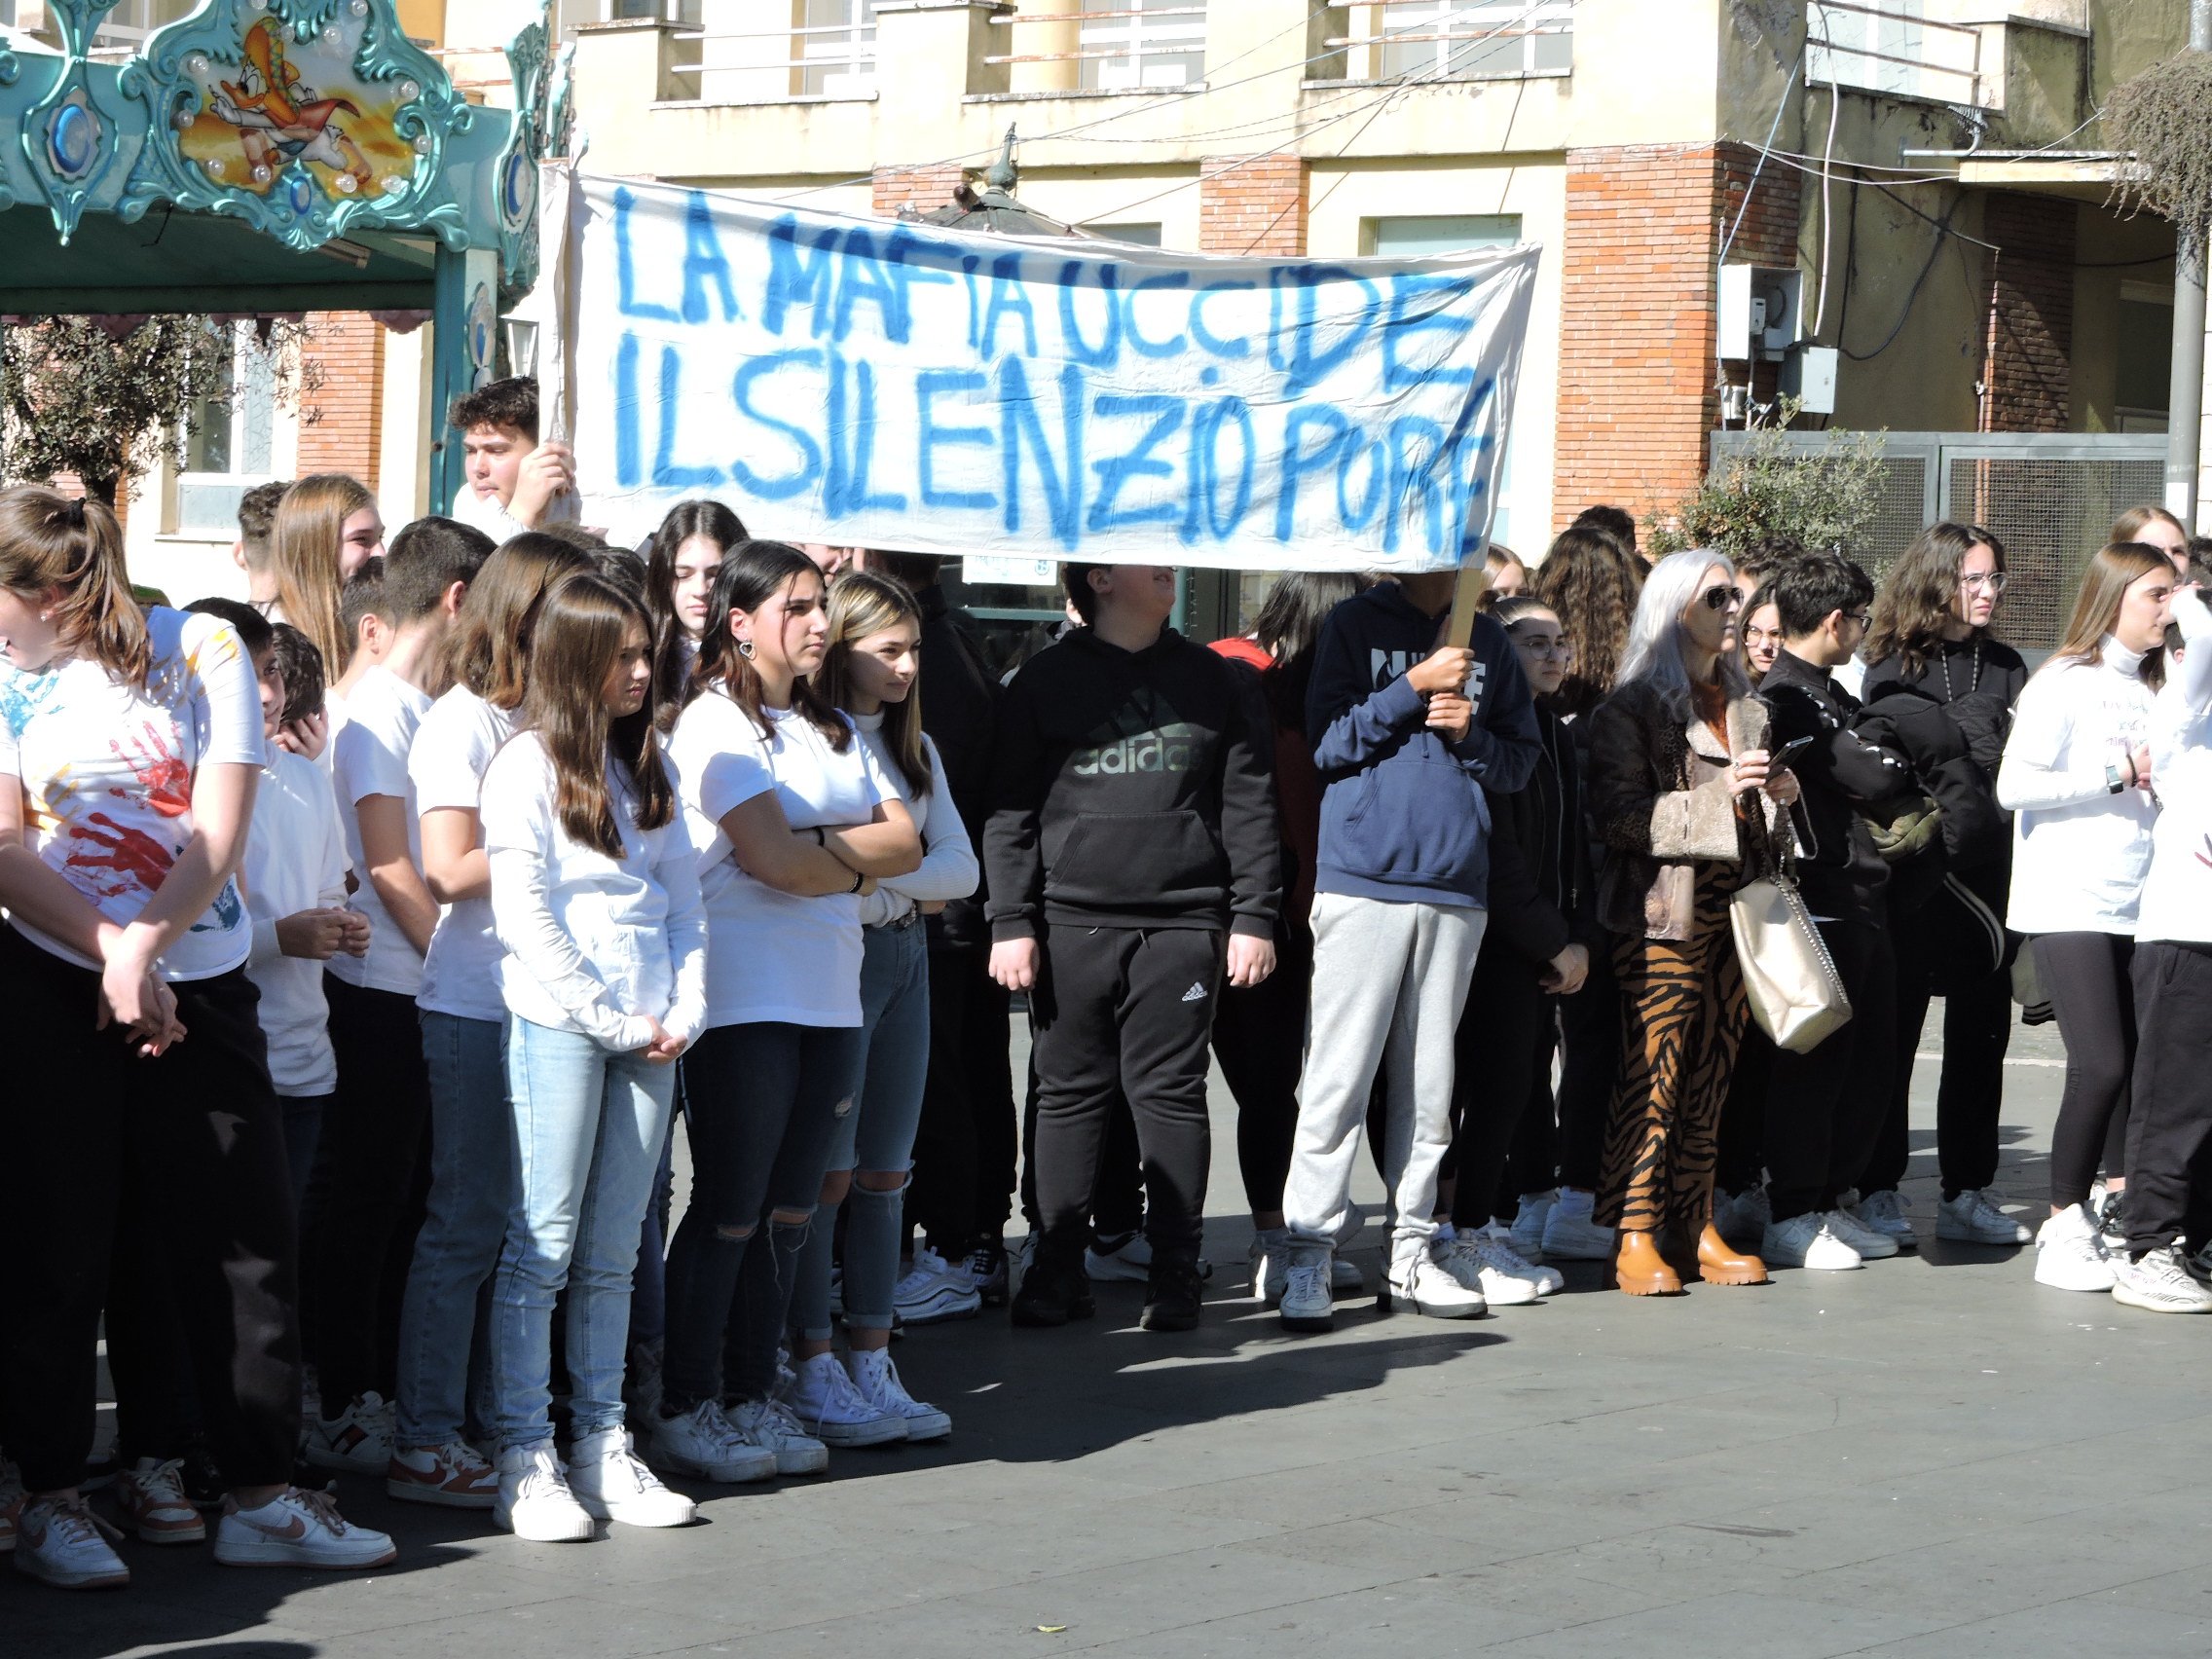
[516, 179]
[302, 116]
[70, 136]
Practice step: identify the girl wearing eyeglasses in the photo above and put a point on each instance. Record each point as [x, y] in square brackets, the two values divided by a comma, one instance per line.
[1684, 793]
[1931, 656]
[2077, 774]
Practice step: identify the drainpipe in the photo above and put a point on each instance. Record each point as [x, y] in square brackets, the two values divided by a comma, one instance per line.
[2185, 401]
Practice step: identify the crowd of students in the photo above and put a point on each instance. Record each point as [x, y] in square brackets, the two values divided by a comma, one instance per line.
[396, 914]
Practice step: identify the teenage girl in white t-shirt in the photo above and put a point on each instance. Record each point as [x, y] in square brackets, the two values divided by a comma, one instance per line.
[794, 823]
[876, 632]
[463, 1025]
[595, 893]
[131, 743]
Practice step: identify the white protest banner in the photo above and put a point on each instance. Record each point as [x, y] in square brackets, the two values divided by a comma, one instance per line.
[892, 384]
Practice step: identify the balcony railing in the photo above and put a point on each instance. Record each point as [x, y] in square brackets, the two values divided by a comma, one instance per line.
[1891, 47]
[1128, 48]
[831, 54]
[1460, 38]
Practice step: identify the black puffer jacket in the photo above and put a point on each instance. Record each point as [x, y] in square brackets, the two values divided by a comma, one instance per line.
[1541, 898]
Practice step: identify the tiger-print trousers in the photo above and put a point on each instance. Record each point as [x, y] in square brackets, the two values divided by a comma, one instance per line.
[1682, 1017]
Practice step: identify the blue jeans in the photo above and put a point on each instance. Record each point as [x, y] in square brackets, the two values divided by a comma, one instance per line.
[878, 1134]
[472, 1160]
[760, 1103]
[588, 1132]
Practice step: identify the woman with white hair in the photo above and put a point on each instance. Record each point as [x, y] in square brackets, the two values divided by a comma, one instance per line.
[1682, 792]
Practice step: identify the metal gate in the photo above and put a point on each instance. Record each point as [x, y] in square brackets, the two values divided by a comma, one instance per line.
[2050, 498]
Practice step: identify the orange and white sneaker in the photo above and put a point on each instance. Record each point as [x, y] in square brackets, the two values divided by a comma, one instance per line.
[63, 1543]
[453, 1475]
[298, 1529]
[150, 1501]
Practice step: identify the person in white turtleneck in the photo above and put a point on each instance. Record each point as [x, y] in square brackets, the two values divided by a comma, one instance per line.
[2077, 775]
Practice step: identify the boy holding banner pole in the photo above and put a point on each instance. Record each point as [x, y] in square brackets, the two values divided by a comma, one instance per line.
[1405, 734]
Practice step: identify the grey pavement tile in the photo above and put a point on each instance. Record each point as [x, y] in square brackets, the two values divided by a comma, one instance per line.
[567, 1626]
[2101, 1623]
[1990, 1574]
[1415, 1616]
[2187, 1593]
[1773, 1625]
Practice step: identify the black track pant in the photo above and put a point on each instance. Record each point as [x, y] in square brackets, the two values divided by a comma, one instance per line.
[964, 1147]
[2169, 1123]
[1127, 1010]
[2085, 976]
[1259, 1037]
[1825, 1107]
[1494, 1076]
[1590, 1057]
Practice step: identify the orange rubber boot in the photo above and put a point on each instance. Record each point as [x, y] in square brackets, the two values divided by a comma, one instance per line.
[1638, 1270]
[1719, 1263]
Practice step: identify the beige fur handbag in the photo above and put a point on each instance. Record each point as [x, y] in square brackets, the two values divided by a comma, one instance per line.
[1795, 993]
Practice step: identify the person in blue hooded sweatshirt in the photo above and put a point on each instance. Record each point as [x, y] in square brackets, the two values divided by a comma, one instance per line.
[1406, 733]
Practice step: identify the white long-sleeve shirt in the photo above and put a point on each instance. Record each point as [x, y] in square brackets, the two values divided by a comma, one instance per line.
[948, 868]
[2080, 852]
[2177, 897]
[295, 860]
[597, 946]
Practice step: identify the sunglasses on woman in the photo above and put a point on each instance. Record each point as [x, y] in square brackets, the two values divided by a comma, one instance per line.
[1721, 598]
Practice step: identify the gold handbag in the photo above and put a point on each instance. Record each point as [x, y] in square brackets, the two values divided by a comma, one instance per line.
[1795, 993]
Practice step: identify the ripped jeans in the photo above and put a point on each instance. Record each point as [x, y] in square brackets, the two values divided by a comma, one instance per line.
[877, 1135]
[761, 1103]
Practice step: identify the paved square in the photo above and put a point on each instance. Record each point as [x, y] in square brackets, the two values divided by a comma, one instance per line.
[1934, 1457]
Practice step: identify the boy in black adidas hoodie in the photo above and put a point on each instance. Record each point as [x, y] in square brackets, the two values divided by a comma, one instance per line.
[1131, 859]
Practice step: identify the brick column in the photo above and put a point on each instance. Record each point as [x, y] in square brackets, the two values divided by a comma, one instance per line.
[2028, 315]
[1637, 373]
[342, 418]
[1255, 207]
[925, 189]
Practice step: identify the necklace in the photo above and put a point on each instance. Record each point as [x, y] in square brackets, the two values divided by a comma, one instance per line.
[1944, 658]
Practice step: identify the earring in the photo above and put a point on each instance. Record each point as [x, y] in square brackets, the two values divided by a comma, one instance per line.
[745, 650]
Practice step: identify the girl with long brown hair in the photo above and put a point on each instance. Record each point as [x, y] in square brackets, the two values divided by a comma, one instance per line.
[2077, 776]
[463, 1021]
[131, 744]
[2154, 527]
[1590, 582]
[871, 671]
[595, 893]
[796, 822]
[687, 549]
[1940, 676]
[326, 527]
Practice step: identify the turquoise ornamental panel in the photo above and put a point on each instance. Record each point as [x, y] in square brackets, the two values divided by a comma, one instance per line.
[516, 179]
[304, 118]
[72, 135]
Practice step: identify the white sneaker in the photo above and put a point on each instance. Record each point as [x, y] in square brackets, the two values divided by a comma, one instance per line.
[1306, 1303]
[2069, 1253]
[876, 1380]
[1270, 1261]
[934, 1290]
[1418, 1279]
[2157, 1282]
[827, 1405]
[298, 1529]
[1502, 1236]
[454, 1475]
[769, 1426]
[150, 1499]
[1742, 1218]
[2112, 1221]
[1572, 1237]
[1479, 1265]
[1884, 1212]
[66, 1545]
[1973, 1218]
[1128, 1260]
[702, 1442]
[358, 1438]
[1528, 1224]
[534, 1500]
[1808, 1241]
[1345, 1278]
[1872, 1245]
[610, 1484]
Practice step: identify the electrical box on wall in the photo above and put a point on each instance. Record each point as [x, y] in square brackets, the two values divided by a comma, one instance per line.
[1759, 318]
[1808, 373]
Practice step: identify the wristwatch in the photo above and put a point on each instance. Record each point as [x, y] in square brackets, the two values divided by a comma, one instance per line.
[2114, 783]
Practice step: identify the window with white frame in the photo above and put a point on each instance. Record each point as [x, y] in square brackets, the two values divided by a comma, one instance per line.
[1500, 39]
[1133, 44]
[689, 12]
[1417, 235]
[229, 444]
[130, 22]
[835, 44]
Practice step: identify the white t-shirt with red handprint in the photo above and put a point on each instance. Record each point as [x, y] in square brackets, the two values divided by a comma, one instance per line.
[108, 771]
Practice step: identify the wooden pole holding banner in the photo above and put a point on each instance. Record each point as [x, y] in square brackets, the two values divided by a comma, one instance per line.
[1466, 599]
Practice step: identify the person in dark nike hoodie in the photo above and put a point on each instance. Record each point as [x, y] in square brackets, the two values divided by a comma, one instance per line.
[1132, 857]
[1406, 735]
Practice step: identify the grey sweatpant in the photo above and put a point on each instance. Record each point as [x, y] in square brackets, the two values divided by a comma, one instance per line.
[1390, 980]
